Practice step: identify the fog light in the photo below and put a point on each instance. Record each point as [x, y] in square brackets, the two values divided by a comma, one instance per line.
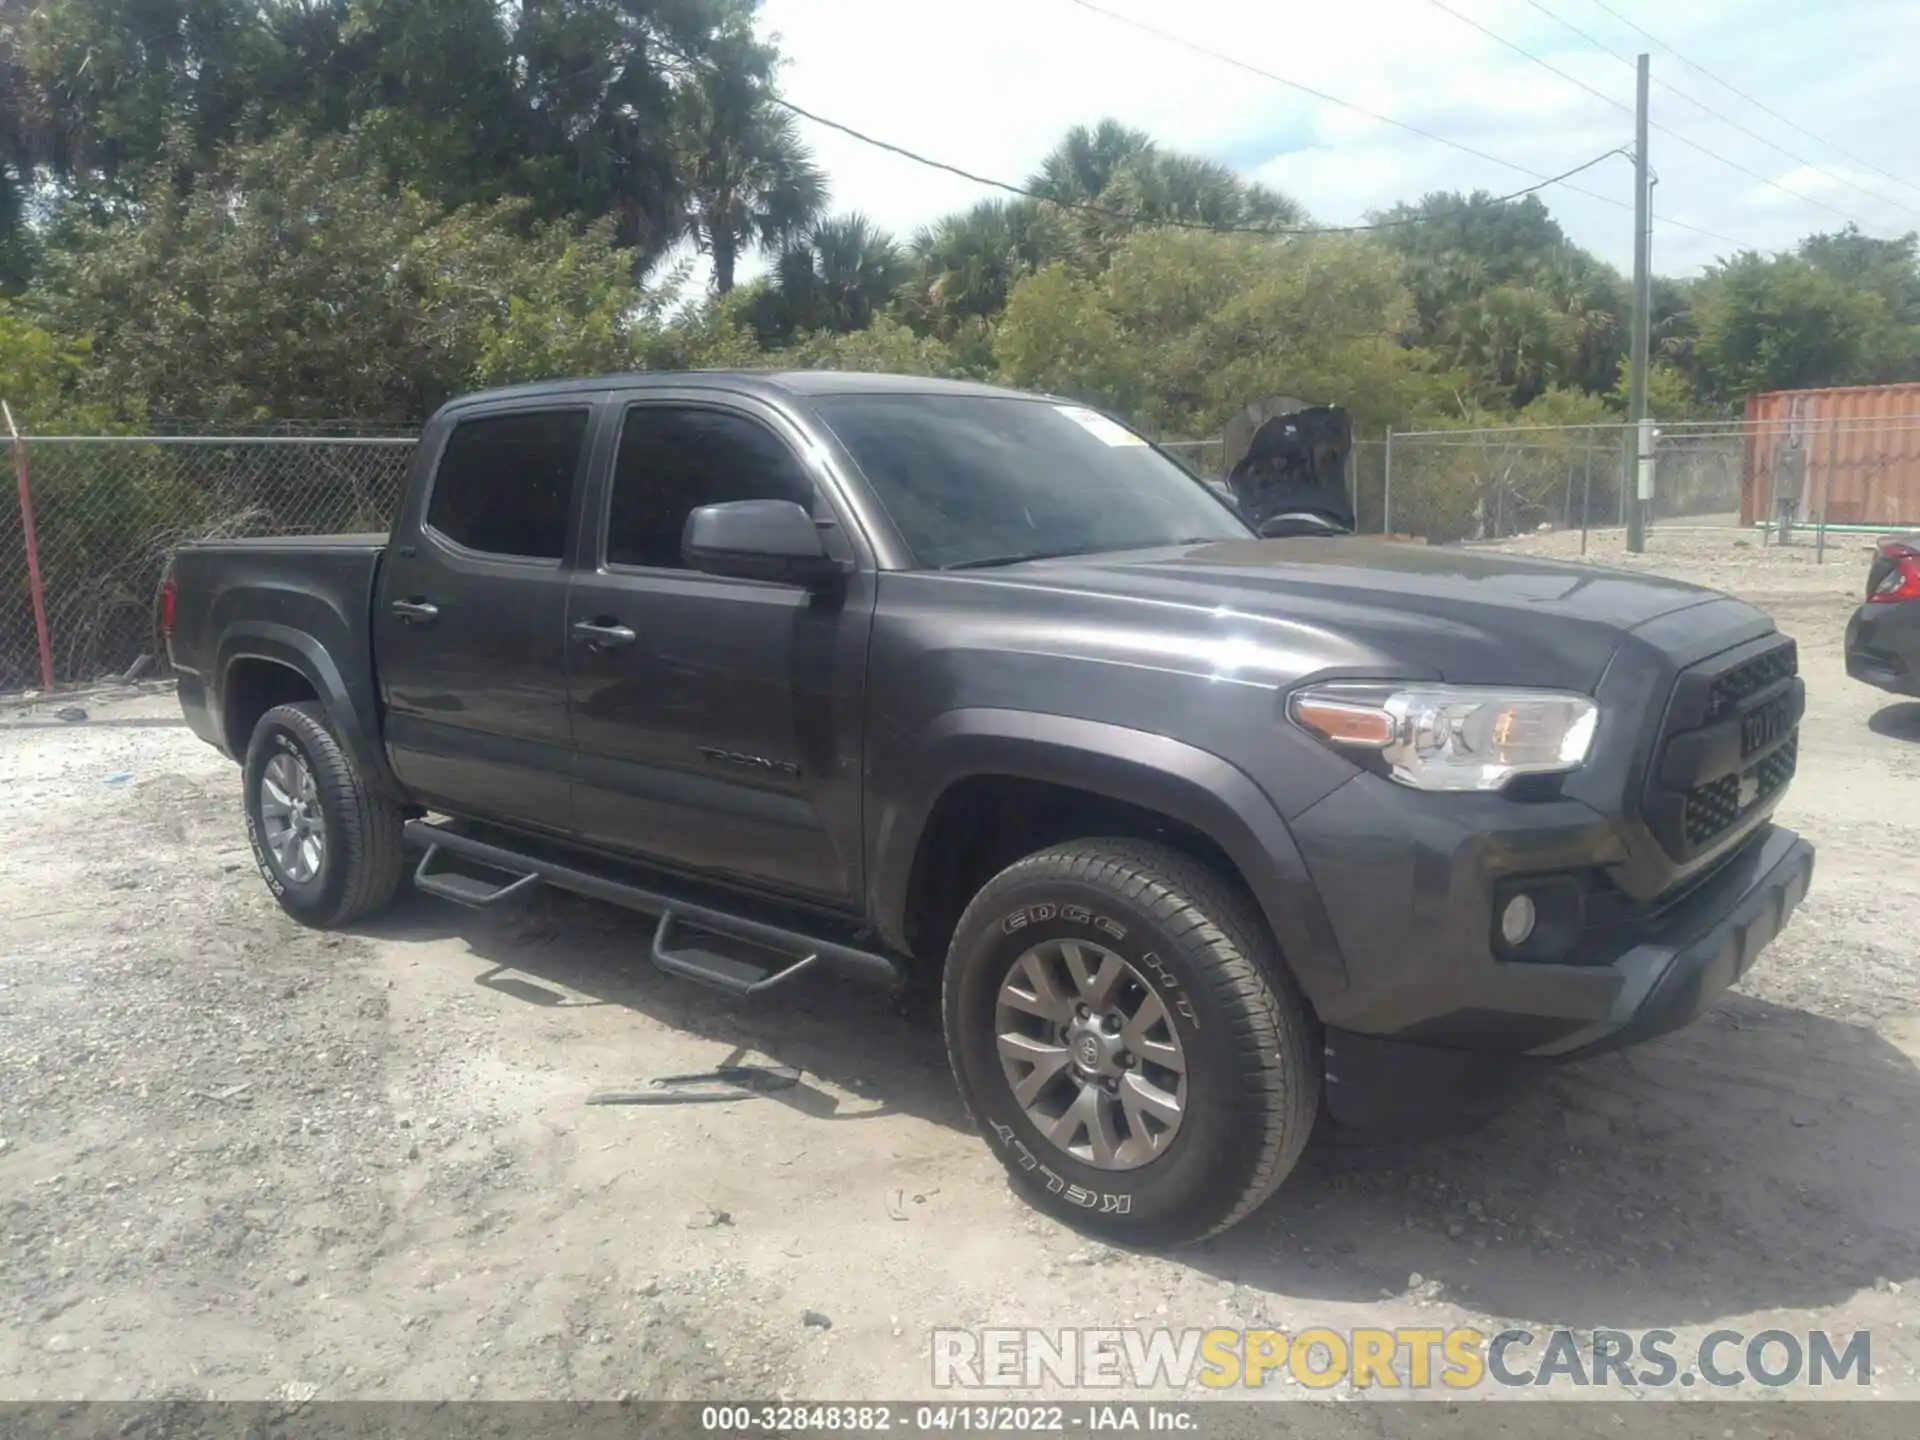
[1516, 921]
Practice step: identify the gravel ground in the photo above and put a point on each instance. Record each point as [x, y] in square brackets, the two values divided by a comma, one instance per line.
[241, 1160]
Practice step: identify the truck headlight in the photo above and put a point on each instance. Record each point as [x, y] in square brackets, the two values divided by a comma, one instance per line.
[1451, 737]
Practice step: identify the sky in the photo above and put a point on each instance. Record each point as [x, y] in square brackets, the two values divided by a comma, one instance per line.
[991, 85]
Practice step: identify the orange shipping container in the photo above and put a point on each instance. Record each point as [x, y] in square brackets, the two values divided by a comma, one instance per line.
[1849, 455]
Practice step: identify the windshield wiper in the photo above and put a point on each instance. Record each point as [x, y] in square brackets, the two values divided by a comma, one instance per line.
[985, 562]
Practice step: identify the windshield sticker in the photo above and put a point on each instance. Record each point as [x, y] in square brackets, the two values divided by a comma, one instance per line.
[1098, 426]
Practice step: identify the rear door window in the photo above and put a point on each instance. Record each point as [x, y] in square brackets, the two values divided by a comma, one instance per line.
[505, 482]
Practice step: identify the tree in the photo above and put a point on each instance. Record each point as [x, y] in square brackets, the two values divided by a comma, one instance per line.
[1516, 339]
[112, 85]
[1059, 334]
[718, 333]
[1670, 393]
[575, 106]
[1889, 269]
[964, 264]
[1781, 323]
[1185, 327]
[840, 275]
[289, 281]
[1079, 169]
[43, 378]
[16, 161]
[1111, 181]
[885, 346]
[749, 179]
[1502, 293]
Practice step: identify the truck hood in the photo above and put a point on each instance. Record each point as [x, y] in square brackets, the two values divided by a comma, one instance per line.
[1465, 616]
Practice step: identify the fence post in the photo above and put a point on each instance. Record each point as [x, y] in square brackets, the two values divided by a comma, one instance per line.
[1626, 470]
[1826, 488]
[1586, 495]
[1386, 487]
[1352, 477]
[33, 550]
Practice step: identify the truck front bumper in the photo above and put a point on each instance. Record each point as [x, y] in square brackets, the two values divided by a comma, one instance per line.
[1435, 1012]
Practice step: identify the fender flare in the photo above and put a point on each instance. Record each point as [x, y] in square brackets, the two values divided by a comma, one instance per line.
[1164, 775]
[351, 717]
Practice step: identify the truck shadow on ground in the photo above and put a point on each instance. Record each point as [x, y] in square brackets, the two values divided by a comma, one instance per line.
[1899, 721]
[1764, 1158]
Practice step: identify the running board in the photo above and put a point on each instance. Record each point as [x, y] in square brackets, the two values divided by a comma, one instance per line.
[752, 974]
[469, 890]
[775, 953]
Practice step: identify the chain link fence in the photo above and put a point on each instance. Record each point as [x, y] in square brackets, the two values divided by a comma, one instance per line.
[1793, 481]
[1471, 485]
[107, 511]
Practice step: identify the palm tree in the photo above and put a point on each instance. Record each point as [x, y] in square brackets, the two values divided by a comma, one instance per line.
[1084, 163]
[967, 262]
[1182, 188]
[857, 268]
[1124, 181]
[749, 178]
[838, 276]
[1264, 206]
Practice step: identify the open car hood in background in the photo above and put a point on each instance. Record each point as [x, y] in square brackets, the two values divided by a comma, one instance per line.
[1283, 459]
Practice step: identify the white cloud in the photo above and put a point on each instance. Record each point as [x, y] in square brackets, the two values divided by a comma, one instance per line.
[990, 86]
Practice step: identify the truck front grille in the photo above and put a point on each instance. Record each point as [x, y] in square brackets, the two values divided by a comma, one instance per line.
[1750, 677]
[1712, 808]
[1728, 747]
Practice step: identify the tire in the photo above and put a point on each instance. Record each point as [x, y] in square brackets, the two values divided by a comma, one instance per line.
[360, 859]
[1199, 948]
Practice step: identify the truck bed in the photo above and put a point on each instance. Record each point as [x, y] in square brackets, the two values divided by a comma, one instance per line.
[302, 601]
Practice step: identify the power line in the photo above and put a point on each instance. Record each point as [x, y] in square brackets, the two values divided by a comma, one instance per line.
[1724, 119]
[1521, 50]
[1173, 39]
[1107, 213]
[1668, 220]
[1761, 106]
[1527, 54]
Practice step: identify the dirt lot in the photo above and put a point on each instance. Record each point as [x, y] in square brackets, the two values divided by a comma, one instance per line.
[243, 1160]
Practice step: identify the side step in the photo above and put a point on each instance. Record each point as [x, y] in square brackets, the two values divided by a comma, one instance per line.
[693, 940]
[466, 889]
[723, 968]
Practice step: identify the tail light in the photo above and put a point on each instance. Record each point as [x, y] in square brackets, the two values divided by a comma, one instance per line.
[1902, 582]
[166, 607]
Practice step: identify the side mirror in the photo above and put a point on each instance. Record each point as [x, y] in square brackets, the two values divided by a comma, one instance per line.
[759, 540]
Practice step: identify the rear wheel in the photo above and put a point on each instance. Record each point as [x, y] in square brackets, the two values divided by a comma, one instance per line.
[326, 843]
[1129, 1042]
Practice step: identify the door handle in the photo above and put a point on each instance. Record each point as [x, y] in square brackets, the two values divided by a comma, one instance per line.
[407, 611]
[602, 636]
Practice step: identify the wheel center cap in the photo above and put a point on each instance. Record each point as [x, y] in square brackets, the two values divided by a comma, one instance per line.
[1094, 1051]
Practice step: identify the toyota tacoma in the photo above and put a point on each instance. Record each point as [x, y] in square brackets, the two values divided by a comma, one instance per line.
[1194, 831]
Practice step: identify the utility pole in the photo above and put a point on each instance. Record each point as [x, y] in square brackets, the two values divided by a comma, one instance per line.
[1642, 469]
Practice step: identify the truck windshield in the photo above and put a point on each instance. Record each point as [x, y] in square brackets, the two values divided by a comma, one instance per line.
[978, 480]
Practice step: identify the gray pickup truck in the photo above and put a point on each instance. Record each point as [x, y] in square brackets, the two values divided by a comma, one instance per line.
[977, 693]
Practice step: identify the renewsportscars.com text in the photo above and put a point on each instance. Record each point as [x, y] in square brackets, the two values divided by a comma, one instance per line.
[1454, 1360]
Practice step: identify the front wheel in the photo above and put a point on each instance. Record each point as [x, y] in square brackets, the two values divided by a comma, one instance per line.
[1129, 1041]
[326, 843]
